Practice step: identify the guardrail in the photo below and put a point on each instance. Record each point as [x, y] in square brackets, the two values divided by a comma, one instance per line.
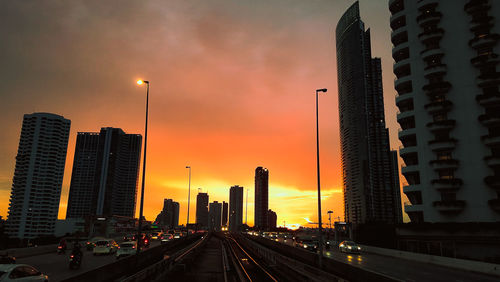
[132, 264]
[31, 251]
[337, 268]
[469, 265]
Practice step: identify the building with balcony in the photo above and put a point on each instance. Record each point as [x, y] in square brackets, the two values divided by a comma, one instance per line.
[446, 56]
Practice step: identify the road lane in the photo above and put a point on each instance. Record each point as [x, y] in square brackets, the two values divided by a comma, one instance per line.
[57, 266]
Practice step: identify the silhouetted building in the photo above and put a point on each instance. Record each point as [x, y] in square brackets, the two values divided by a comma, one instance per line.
[215, 216]
[225, 209]
[446, 66]
[235, 208]
[367, 171]
[397, 192]
[38, 176]
[202, 210]
[261, 197]
[105, 174]
[169, 216]
[271, 219]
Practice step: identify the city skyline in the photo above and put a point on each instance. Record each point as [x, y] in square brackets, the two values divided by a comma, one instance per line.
[289, 112]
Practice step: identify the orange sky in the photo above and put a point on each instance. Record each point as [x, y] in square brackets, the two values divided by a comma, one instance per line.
[232, 88]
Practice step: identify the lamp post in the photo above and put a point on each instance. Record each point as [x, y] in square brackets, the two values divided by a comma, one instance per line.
[189, 196]
[330, 218]
[320, 247]
[139, 229]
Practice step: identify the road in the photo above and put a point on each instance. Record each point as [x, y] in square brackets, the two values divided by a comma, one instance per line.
[57, 266]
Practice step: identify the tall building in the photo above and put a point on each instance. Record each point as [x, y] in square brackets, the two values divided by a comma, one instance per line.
[225, 208]
[261, 197]
[202, 210]
[105, 174]
[215, 216]
[235, 208]
[366, 161]
[446, 56]
[272, 218]
[169, 216]
[38, 176]
[397, 192]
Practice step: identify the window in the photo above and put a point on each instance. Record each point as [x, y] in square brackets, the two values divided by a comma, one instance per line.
[444, 155]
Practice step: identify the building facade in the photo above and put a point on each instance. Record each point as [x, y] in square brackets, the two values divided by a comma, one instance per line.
[105, 174]
[272, 219]
[215, 217]
[202, 210]
[369, 189]
[235, 208]
[38, 176]
[169, 216]
[225, 209]
[261, 197]
[446, 56]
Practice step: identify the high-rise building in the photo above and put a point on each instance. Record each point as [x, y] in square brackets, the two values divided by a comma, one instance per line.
[366, 160]
[169, 216]
[261, 197]
[202, 210]
[215, 216]
[272, 218]
[38, 176]
[235, 208]
[446, 56]
[225, 208]
[105, 174]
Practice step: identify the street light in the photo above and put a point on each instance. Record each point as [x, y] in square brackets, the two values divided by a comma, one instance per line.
[189, 194]
[320, 253]
[139, 229]
[330, 218]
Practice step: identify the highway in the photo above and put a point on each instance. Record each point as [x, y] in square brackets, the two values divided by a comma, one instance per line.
[57, 266]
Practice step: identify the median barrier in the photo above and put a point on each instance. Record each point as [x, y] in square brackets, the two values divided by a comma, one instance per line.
[469, 265]
[31, 251]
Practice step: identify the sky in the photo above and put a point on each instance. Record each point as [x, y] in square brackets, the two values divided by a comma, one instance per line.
[232, 88]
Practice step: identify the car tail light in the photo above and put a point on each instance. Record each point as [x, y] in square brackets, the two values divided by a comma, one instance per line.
[72, 256]
[118, 247]
[146, 240]
[107, 245]
[133, 247]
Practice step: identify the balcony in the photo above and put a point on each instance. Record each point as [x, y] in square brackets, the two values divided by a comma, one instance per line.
[402, 68]
[485, 58]
[491, 79]
[423, 19]
[404, 98]
[435, 69]
[488, 40]
[452, 184]
[407, 150]
[441, 106]
[442, 125]
[404, 115]
[492, 161]
[432, 34]
[493, 182]
[487, 100]
[406, 132]
[409, 169]
[491, 141]
[399, 81]
[434, 88]
[442, 144]
[412, 188]
[489, 120]
[431, 52]
[422, 3]
[396, 6]
[399, 37]
[397, 21]
[444, 164]
[475, 6]
[494, 204]
[449, 206]
[413, 208]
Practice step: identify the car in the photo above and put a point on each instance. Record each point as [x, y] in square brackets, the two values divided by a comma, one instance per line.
[126, 249]
[166, 237]
[349, 247]
[309, 245]
[129, 237]
[155, 235]
[177, 235]
[106, 246]
[90, 244]
[21, 272]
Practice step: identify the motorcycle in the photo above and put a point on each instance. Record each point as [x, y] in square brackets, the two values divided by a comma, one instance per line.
[61, 249]
[75, 261]
[6, 259]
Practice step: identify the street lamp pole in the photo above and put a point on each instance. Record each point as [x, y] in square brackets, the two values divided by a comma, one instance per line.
[320, 247]
[139, 229]
[330, 218]
[189, 195]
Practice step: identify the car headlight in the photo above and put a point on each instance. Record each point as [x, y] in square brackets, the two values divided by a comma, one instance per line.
[305, 246]
[349, 247]
[359, 248]
[341, 245]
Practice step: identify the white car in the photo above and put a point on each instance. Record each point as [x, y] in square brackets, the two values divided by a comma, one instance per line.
[126, 249]
[166, 238]
[107, 246]
[349, 247]
[21, 273]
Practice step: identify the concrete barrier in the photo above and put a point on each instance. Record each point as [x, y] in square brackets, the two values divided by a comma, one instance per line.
[469, 265]
[31, 251]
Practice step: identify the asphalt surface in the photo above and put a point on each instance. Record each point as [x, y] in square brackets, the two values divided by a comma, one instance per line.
[56, 266]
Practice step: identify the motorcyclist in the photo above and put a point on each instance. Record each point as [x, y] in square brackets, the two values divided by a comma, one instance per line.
[77, 249]
[62, 246]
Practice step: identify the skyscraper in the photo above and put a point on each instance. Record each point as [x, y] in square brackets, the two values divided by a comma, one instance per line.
[272, 218]
[235, 208]
[169, 216]
[105, 174]
[446, 67]
[215, 216]
[261, 197]
[202, 210]
[225, 208]
[366, 161]
[38, 176]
